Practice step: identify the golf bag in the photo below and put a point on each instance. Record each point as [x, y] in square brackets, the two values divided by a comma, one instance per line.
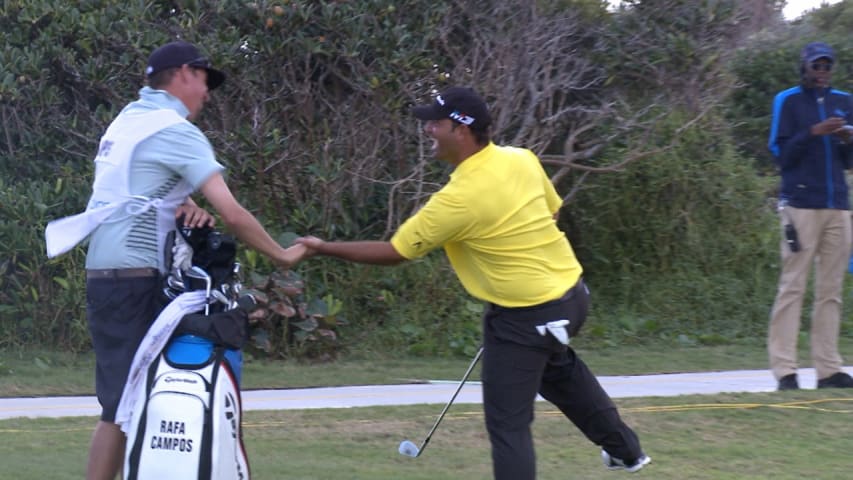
[190, 423]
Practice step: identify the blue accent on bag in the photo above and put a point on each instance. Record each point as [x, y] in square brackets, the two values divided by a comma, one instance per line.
[191, 349]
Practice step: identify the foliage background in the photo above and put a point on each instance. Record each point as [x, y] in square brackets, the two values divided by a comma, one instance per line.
[651, 119]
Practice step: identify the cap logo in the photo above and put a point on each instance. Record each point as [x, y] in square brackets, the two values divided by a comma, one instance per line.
[439, 100]
[461, 118]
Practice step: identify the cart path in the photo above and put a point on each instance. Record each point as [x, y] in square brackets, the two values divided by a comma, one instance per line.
[435, 392]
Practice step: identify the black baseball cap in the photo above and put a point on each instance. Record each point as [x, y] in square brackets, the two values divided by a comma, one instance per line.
[816, 50]
[460, 104]
[179, 53]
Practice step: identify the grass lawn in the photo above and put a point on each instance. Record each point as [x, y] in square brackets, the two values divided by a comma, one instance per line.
[779, 436]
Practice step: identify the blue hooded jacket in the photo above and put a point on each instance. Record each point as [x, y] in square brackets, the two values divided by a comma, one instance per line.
[812, 167]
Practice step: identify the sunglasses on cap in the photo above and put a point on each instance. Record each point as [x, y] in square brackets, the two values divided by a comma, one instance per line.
[200, 62]
[821, 67]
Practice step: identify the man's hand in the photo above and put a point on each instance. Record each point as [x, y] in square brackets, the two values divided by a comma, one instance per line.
[312, 245]
[194, 216]
[829, 126]
[291, 256]
[845, 133]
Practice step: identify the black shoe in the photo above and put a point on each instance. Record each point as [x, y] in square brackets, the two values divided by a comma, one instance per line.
[836, 380]
[789, 382]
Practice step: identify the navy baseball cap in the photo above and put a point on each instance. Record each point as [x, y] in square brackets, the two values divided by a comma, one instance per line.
[816, 50]
[460, 104]
[179, 53]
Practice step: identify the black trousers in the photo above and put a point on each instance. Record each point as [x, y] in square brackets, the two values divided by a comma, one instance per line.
[518, 363]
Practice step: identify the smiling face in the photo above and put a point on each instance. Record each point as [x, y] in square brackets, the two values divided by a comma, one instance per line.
[446, 136]
[818, 73]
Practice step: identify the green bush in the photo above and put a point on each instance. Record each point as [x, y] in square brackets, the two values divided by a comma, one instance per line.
[685, 241]
[41, 301]
[283, 125]
[314, 129]
[419, 307]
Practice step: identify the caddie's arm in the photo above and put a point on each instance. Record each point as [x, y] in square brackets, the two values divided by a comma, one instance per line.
[244, 225]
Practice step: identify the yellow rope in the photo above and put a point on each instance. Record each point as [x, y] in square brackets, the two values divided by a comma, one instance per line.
[798, 405]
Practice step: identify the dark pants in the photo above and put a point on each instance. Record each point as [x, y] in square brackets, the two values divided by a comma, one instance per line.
[518, 363]
[119, 312]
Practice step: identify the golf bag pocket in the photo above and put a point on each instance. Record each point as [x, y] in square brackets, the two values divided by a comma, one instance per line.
[229, 329]
[189, 426]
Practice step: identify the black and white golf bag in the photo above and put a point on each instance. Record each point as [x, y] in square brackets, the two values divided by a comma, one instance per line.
[189, 423]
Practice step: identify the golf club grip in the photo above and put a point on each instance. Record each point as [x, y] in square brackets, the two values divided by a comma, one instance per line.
[247, 302]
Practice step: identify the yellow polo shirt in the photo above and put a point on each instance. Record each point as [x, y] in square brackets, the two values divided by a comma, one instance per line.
[494, 219]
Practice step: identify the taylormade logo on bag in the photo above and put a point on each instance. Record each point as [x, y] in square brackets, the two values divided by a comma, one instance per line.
[169, 379]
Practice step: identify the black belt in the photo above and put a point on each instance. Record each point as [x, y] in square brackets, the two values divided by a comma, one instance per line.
[569, 294]
[122, 273]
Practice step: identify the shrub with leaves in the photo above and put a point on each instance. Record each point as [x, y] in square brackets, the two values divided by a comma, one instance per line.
[286, 324]
[314, 129]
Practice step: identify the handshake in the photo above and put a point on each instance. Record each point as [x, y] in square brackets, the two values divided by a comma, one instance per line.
[371, 252]
[302, 248]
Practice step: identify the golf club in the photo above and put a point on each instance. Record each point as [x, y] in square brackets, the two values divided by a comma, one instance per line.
[221, 298]
[175, 284]
[407, 447]
[199, 273]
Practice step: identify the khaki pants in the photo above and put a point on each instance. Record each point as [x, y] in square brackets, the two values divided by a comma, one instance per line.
[825, 240]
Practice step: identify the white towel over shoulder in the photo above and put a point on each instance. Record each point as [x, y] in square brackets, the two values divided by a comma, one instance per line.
[152, 344]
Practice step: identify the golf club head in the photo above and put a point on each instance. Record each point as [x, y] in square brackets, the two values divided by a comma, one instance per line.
[221, 298]
[409, 449]
[175, 283]
[197, 273]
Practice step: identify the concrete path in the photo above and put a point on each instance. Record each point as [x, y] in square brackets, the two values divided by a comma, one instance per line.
[439, 392]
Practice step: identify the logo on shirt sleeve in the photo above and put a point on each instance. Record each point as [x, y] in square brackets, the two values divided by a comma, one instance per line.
[419, 242]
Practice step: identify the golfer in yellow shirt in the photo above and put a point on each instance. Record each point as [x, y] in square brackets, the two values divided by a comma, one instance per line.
[496, 220]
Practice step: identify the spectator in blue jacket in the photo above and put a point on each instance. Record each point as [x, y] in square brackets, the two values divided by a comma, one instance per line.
[810, 138]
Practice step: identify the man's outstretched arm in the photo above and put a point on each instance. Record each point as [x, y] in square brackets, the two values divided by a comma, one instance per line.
[370, 252]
